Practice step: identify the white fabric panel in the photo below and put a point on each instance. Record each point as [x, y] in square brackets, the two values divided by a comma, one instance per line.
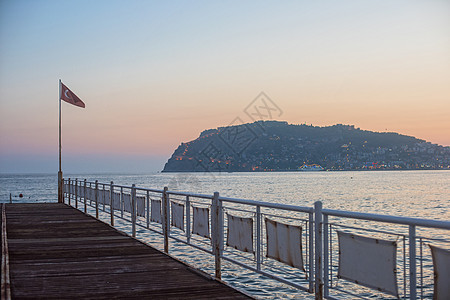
[116, 201]
[91, 193]
[140, 206]
[441, 266]
[103, 199]
[126, 198]
[177, 217]
[100, 196]
[200, 221]
[107, 200]
[240, 233]
[369, 262]
[284, 243]
[155, 215]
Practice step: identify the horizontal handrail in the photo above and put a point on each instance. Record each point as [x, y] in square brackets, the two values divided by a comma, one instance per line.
[388, 219]
[269, 204]
[189, 194]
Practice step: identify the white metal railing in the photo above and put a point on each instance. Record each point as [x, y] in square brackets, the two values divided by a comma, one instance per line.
[403, 228]
[134, 204]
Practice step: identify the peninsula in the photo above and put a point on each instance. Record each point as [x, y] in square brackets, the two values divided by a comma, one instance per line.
[279, 146]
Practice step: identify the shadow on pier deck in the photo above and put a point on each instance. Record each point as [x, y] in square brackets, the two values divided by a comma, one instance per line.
[57, 252]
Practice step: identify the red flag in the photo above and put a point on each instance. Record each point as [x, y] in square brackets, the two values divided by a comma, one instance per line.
[68, 96]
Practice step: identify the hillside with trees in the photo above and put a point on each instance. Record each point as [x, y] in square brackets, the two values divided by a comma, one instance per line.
[279, 146]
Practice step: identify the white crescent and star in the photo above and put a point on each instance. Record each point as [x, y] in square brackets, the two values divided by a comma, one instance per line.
[65, 94]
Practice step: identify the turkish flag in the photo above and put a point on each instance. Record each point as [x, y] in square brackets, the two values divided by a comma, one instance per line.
[68, 96]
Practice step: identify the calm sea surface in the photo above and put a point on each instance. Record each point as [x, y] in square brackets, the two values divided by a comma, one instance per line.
[423, 194]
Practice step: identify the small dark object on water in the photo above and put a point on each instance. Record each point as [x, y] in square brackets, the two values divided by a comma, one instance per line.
[20, 195]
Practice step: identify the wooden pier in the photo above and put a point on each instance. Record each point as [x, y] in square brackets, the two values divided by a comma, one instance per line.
[58, 252]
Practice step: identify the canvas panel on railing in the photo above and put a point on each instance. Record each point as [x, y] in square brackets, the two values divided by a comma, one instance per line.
[441, 266]
[126, 199]
[100, 196]
[116, 201]
[105, 193]
[200, 221]
[155, 213]
[177, 216]
[140, 206]
[107, 199]
[284, 243]
[91, 194]
[240, 233]
[367, 261]
[81, 191]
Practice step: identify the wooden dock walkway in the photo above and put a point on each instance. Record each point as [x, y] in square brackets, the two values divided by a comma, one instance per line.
[58, 252]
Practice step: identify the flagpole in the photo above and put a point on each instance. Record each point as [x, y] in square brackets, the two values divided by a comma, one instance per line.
[60, 183]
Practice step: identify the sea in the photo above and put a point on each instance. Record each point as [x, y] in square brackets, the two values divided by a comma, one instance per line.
[420, 194]
[423, 194]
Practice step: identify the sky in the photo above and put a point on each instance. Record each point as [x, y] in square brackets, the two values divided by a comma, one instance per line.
[154, 74]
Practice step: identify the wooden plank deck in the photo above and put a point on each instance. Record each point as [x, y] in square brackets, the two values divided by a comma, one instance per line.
[57, 252]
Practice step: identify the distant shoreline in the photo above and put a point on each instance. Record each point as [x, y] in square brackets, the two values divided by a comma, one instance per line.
[160, 172]
[298, 171]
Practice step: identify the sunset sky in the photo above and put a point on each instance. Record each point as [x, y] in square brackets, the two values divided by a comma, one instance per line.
[154, 74]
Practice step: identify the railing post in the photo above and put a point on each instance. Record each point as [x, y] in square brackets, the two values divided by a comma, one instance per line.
[121, 202]
[165, 219]
[85, 196]
[311, 251]
[76, 192]
[111, 202]
[217, 233]
[133, 210]
[318, 291]
[69, 187]
[148, 209]
[96, 199]
[412, 262]
[103, 197]
[325, 256]
[258, 238]
[60, 187]
[188, 219]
